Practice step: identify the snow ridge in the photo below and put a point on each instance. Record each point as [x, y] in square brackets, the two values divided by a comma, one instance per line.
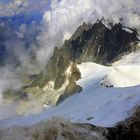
[96, 104]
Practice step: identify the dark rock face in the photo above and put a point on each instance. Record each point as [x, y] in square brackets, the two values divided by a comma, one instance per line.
[126, 130]
[54, 70]
[70, 90]
[99, 44]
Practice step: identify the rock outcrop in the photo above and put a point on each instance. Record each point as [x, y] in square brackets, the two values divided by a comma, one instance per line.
[54, 129]
[62, 129]
[90, 43]
[126, 130]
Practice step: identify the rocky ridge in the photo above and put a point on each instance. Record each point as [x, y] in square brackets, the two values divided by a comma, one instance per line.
[90, 43]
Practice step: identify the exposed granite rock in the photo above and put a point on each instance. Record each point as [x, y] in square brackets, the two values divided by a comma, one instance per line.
[72, 87]
[54, 70]
[15, 95]
[126, 130]
[60, 128]
[99, 44]
[54, 129]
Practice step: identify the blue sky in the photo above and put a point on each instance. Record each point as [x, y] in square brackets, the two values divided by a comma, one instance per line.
[6, 1]
[14, 7]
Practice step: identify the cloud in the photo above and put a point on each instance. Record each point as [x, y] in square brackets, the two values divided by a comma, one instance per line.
[8, 80]
[14, 7]
[60, 22]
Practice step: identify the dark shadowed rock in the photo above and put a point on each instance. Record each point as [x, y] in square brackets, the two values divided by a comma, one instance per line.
[71, 89]
[126, 130]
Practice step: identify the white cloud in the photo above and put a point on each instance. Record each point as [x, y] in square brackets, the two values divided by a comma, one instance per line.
[66, 15]
[60, 22]
[18, 6]
[8, 80]
[13, 7]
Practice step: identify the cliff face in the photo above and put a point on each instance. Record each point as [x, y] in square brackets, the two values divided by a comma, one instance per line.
[99, 44]
[90, 43]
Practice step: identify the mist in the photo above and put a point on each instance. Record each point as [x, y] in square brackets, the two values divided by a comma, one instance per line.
[60, 22]
[8, 80]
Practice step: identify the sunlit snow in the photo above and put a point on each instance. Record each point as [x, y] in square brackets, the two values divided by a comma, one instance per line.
[96, 104]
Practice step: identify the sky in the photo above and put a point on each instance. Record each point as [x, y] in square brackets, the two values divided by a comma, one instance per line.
[6, 1]
[12, 7]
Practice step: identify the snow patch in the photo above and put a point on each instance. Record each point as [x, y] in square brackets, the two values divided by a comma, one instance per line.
[130, 59]
[49, 86]
[128, 30]
[138, 37]
[106, 25]
[68, 71]
[123, 76]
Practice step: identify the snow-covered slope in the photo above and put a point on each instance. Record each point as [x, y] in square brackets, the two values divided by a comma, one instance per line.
[96, 104]
[114, 76]
[122, 76]
[132, 59]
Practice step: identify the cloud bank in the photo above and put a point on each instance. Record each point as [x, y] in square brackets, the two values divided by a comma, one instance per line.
[8, 80]
[60, 22]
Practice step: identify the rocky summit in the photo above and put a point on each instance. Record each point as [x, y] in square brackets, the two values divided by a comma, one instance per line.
[90, 43]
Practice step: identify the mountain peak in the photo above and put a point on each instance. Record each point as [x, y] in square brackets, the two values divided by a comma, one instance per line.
[80, 30]
[90, 43]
